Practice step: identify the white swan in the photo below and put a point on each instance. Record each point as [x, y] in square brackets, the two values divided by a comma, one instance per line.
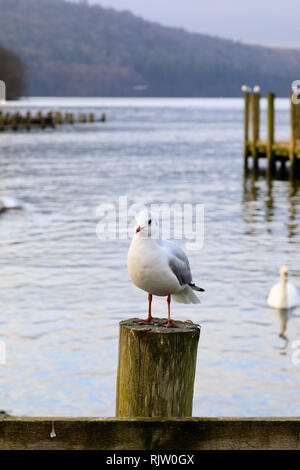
[283, 295]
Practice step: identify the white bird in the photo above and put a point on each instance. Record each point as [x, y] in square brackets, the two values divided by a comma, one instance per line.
[9, 203]
[246, 89]
[284, 294]
[256, 89]
[159, 267]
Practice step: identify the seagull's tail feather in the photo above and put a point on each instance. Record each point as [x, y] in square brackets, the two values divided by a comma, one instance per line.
[194, 287]
[186, 296]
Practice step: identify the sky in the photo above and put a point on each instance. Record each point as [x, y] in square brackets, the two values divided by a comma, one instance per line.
[268, 22]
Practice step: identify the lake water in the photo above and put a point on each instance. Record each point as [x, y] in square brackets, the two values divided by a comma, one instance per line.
[63, 291]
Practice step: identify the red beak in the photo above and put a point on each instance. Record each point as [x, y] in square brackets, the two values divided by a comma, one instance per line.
[138, 229]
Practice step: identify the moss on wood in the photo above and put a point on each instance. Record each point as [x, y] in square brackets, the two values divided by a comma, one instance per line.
[156, 369]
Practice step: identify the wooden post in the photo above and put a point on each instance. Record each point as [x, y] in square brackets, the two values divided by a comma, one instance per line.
[270, 133]
[156, 369]
[82, 117]
[91, 117]
[293, 124]
[297, 124]
[255, 114]
[246, 128]
[28, 121]
[14, 122]
[58, 117]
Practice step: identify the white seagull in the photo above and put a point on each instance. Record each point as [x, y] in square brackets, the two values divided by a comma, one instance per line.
[246, 89]
[7, 203]
[284, 294]
[159, 267]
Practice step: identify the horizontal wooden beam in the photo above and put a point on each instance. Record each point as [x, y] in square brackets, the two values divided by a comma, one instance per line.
[149, 433]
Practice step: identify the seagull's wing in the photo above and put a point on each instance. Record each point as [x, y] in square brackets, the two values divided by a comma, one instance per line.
[178, 262]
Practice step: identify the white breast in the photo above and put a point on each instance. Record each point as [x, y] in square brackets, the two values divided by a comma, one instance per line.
[149, 269]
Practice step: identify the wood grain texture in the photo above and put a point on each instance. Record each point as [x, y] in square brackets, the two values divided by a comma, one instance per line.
[150, 434]
[156, 369]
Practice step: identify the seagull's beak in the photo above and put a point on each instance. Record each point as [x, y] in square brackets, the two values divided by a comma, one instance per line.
[138, 229]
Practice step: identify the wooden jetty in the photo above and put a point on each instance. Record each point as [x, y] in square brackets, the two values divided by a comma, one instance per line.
[149, 434]
[282, 151]
[154, 406]
[17, 121]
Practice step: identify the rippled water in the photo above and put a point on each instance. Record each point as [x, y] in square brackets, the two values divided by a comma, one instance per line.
[63, 291]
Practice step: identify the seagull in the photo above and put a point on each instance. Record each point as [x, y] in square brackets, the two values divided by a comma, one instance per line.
[284, 294]
[7, 203]
[256, 89]
[159, 267]
[246, 89]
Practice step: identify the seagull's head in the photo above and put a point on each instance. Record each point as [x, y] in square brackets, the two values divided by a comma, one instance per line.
[145, 224]
[284, 273]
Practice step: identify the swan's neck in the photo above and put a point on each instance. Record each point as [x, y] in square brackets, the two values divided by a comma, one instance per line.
[283, 294]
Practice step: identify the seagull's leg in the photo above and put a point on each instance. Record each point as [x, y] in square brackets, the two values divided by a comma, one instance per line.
[149, 319]
[169, 323]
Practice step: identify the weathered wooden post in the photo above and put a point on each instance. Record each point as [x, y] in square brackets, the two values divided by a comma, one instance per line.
[50, 121]
[58, 117]
[293, 124]
[255, 114]
[270, 134]
[82, 117]
[246, 128]
[156, 369]
[91, 117]
[14, 122]
[7, 120]
[297, 123]
[28, 121]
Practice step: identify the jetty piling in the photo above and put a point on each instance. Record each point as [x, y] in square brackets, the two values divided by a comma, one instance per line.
[255, 114]
[246, 127]
[271, 149]
[156, 369]
[270, 133]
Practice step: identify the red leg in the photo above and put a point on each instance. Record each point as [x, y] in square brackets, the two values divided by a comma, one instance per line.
[169, 323]
[149, 319]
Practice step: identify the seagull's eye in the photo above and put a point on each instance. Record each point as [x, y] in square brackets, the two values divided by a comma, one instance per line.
[149, 222]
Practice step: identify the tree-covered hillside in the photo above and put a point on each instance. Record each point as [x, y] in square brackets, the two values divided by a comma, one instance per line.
[80, 50]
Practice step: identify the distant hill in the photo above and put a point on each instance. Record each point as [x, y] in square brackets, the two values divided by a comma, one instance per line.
[80, 50]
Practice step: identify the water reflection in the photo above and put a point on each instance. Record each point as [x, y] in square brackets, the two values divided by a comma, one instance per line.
[266, 196]
[283, 317]
[293, 208]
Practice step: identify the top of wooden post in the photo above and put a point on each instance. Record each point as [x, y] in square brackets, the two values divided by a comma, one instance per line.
[181, 326]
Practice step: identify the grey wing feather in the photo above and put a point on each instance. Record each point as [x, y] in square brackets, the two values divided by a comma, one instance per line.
[180, 265]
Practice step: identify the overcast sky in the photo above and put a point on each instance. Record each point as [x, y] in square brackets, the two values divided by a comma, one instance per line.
[270, 22]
